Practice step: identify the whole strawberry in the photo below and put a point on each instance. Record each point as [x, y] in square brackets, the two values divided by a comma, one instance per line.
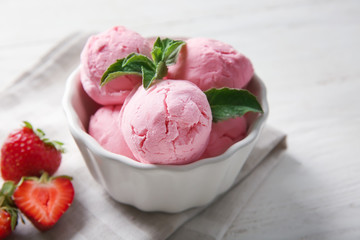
[26, 152]
[43, 201]
[8, 211]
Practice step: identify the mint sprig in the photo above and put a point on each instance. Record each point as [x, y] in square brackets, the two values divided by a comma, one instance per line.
[164, 53]
[226, 103]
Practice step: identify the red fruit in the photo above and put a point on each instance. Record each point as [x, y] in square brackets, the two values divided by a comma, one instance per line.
[8, 212]
[43, 201]
[5, 224]
[26, 152]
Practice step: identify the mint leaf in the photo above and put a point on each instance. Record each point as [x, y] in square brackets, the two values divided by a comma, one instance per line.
[157, 51]
[140, 60]
[164, 53]
[148, 76]
[226, 103]
[133, 64]
[166, 50]
[172, 51]
[161, 70]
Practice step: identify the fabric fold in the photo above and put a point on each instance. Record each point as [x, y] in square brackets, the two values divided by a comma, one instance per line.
[36, 96]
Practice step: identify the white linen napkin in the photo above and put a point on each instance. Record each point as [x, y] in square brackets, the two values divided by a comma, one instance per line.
[36, 97]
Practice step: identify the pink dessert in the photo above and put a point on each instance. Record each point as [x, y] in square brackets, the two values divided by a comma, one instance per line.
[169, 123]
[99, 53]
[224, 134]
[105, 128]
[211, 64]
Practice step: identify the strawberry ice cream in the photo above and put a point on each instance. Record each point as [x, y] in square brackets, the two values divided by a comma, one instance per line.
[104, 127]
[99, 53]
[211, 64]
[224, 134]
[169, 123]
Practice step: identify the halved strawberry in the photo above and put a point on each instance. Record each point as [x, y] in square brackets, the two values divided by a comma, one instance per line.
[26, 152]
[43, 201]
[8, 211]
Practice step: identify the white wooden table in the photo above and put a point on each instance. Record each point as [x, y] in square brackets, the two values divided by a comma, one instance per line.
[306, 51]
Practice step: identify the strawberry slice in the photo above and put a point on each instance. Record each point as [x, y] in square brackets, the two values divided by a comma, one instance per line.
[43, 201]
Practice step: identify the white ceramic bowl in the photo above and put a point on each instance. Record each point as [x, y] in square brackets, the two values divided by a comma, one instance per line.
[158, 187]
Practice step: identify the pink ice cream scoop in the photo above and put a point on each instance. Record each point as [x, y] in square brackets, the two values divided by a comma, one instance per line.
[169, 123]
[105, 128]
[211, 64]
[99, 53]
[224, 134]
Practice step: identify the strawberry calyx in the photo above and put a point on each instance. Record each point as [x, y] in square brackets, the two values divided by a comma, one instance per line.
[14, 212]
[7, 204]
[44, 178]
[7, 189]
[41, 134]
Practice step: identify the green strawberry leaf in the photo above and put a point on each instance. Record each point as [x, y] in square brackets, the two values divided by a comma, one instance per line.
[58, 145]
[8, 188]
[41, 134]
[14, 217]
[27, 124]
[226, 103]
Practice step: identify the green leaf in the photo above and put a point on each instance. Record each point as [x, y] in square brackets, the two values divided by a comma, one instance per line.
[166, 50]
[41, 134]
[158, 43]
[8, 188]
[157, 51]
[58, 145]
[172, 51]
[164, 53]
[226, 103]
[161, 70]
[14, 218]
[133, 64]
[148, 77]
[27, 124]
[7, 203]
[135, 61]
